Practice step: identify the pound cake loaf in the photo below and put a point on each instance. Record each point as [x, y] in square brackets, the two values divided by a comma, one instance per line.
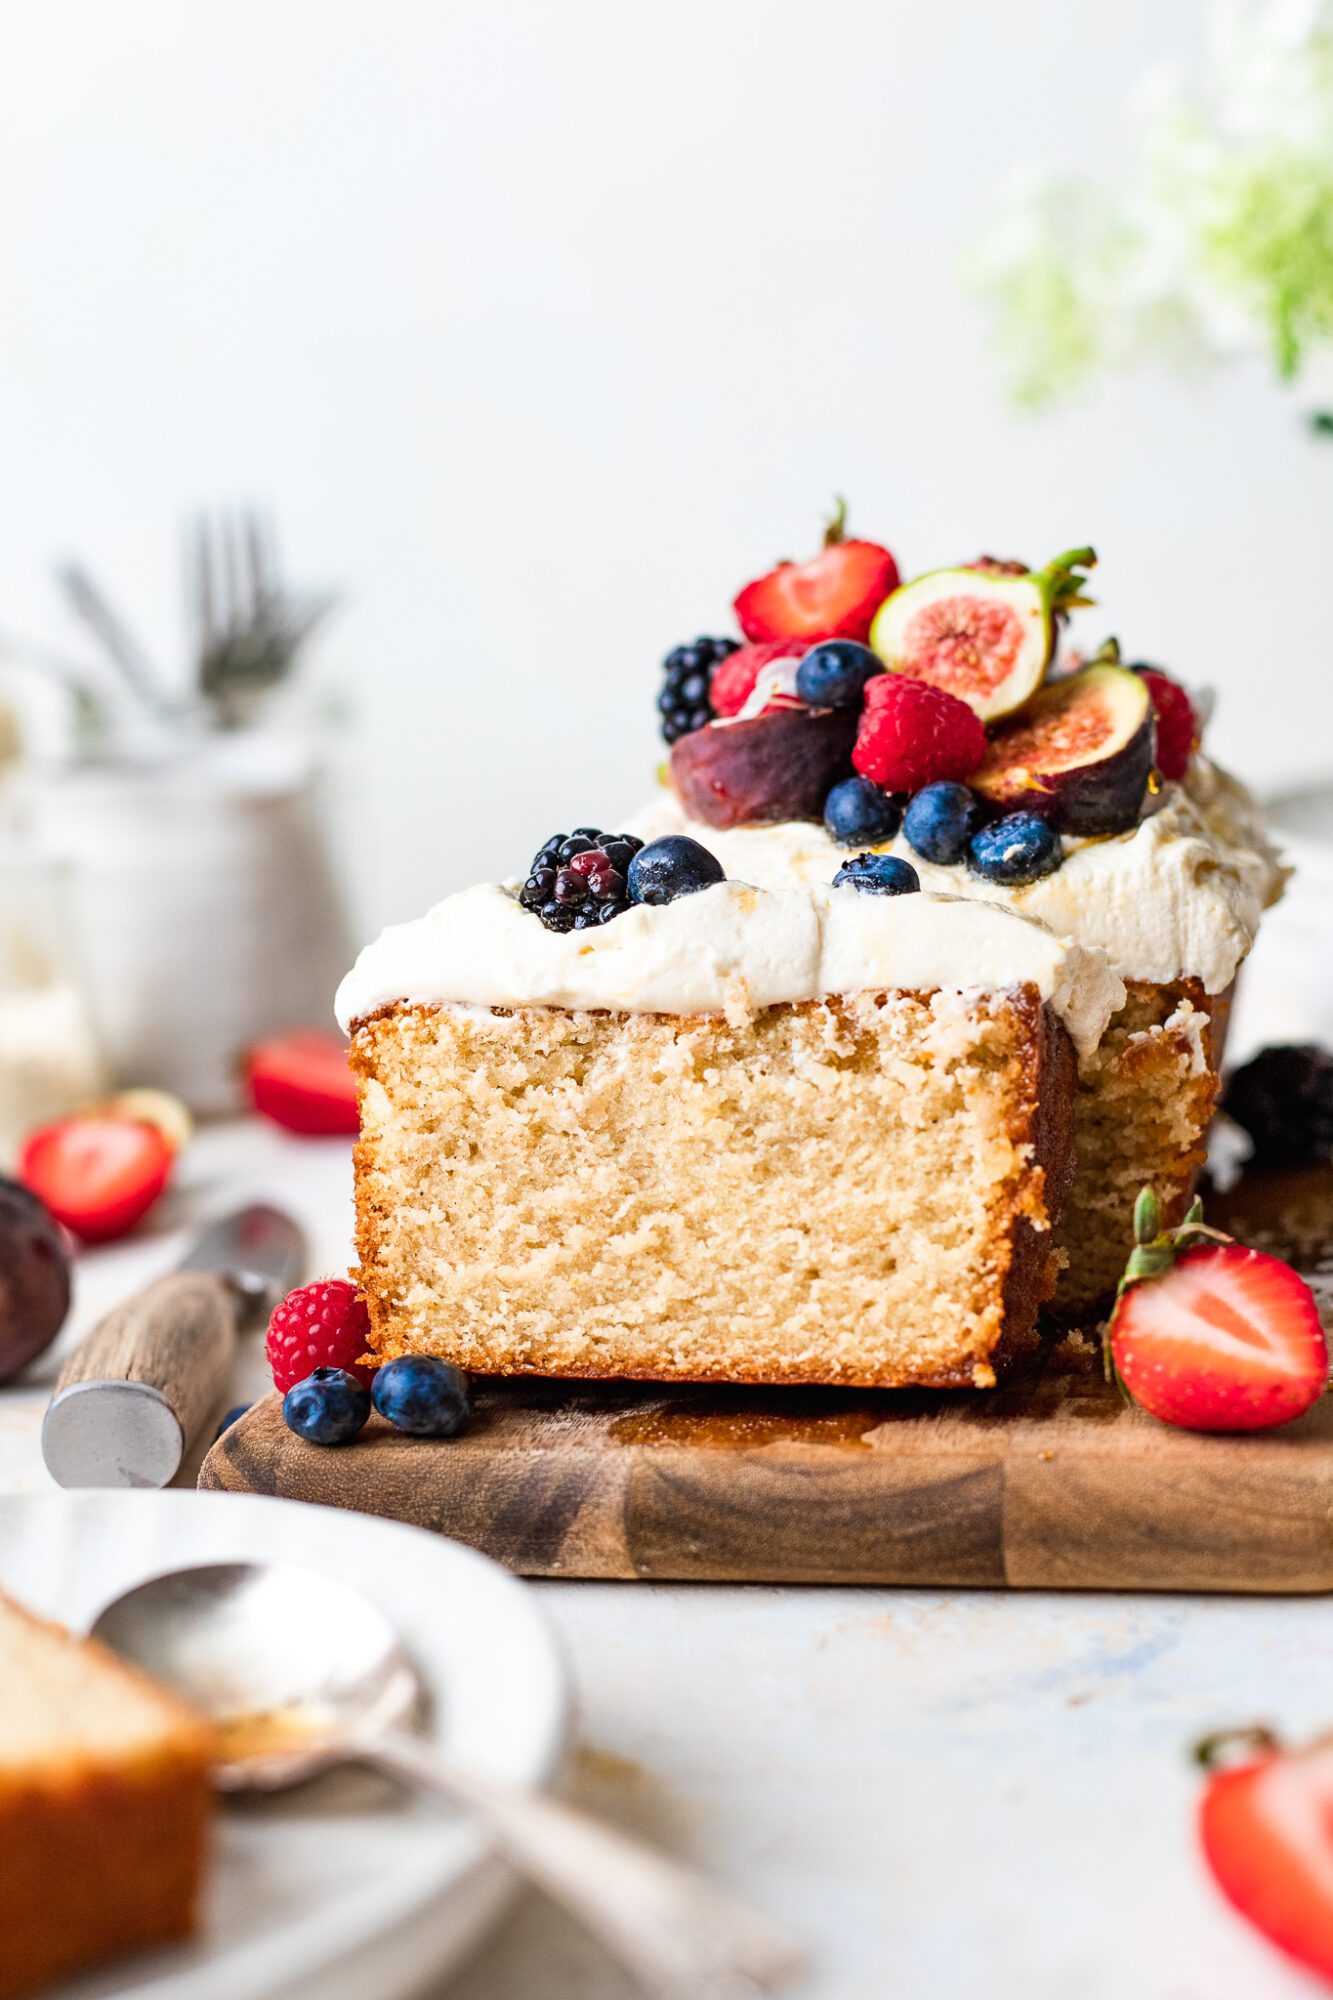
[808, 1134]
[105, 1804]
[938, 723]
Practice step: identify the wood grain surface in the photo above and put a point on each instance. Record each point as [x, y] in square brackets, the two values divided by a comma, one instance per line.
[1050, 1482]
[178, 1335]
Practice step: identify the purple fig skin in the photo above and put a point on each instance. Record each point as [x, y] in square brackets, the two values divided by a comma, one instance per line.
[775, 766]
[1103, 794]
[34, 1278]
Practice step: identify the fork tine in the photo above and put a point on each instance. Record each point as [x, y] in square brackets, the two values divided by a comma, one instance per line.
[260, 581]
[231, 555]
[207, 583]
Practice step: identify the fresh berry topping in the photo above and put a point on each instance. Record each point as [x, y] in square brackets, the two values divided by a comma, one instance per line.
[912, 734]
[321, 1325]
[424, 1396]
[34, 1278]
[834, 674]
[982, 633]
[579, 880]
[998, 566]
[301, 1081]
[833, 596]
[1178, 729]
[1211, 1336]
[1080, 753]
[857, 814]
[329, 1407]
[940, 821]
[774, 766]
[1283, 1098]
[99, 1176]
[736, 678]
[1015, 850]
[232, 1416]
[1264, 1825]
[684, 702]
[878, 875]
[671, 867]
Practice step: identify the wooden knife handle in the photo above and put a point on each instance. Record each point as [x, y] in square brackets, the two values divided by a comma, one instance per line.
[178, 1336]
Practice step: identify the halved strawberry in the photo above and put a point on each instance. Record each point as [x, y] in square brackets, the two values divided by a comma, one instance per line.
[1266, 1826]
[99, 1175]
[833, 596]
[301, 1081]
[1211, 1336]
[734, 680]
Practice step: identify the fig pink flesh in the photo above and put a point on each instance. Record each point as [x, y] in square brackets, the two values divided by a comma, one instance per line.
[966, 645]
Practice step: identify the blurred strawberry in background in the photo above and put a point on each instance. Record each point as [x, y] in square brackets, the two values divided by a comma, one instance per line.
[301, 1081]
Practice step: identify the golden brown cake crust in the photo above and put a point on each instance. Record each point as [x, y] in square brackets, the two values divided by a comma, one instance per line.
[102, 1854]
[664, 1198]
[1144, 1102]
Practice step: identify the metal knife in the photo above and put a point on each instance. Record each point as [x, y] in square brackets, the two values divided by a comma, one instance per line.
[131, 1398]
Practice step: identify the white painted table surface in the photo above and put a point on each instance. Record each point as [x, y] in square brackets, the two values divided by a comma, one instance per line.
[950, 1793]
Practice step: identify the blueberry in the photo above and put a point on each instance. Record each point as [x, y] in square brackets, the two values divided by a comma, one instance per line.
[878, 875]
[671, 867]
[1017, 849]
[329, 1407]
[427, 1397]
[940, 821]
[856, 811]
[237, 1411]
[834, 673]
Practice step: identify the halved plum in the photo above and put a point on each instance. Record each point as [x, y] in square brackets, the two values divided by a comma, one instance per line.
[1080, 754]
[982, 633]
[775, 766]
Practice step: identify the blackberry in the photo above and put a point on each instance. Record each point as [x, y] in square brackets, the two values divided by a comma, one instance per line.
[578, 880]
[684, 702]
[1283, 1097]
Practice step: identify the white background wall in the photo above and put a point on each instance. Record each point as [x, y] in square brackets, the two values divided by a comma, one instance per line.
[547, 323]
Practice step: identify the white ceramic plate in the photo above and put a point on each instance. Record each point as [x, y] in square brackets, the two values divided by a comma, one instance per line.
[344, 1889]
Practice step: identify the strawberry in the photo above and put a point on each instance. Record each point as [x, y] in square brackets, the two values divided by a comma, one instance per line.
[734, 680]
[912, 734]
[1266, 1827]
[301, 1081]
[833, 596]
[1178, 728]
[324, 1325]
[1211, 1336]
[97, 1174]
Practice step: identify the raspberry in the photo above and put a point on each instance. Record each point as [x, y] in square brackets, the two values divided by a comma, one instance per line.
[733, 681]
[1177, 724]
[913, 734]
[324, 1325]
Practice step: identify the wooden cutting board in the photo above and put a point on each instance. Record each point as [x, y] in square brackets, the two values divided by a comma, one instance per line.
[1052, 1481]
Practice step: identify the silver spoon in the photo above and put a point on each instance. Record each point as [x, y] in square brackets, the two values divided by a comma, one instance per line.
[300, 1673]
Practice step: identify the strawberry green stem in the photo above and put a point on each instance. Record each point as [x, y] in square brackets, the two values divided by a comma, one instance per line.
[1255, 1737]
[1155, 1251]
[835, 528]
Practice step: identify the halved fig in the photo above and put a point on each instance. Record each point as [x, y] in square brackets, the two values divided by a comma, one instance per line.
[982, 633]
[1080, 754]
[774, 766]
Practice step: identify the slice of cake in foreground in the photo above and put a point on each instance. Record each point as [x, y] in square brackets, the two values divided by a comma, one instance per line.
[805, 1135]
[105, 1803]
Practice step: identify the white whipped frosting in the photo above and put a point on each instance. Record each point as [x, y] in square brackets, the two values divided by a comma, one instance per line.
[1178, 896]
[728, 949]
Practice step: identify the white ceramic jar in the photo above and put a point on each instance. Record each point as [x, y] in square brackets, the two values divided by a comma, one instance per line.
[202, 900]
